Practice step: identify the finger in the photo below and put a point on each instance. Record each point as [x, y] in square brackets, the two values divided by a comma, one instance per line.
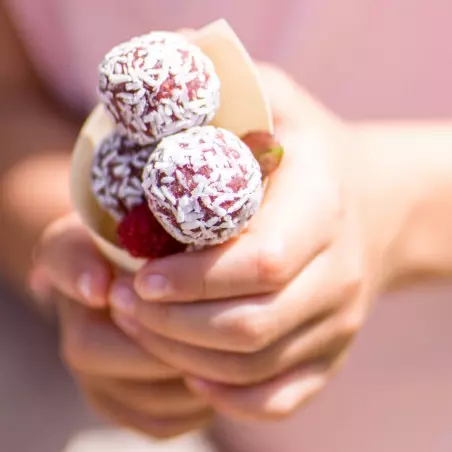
[273, 400]
[292, 106]
[166, 399]
[247, 324]
[322, 338]
[144, 423]
[73, 263]
[92, 345]
[294, 224]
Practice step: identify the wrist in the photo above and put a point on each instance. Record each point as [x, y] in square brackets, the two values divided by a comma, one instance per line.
[405, 175]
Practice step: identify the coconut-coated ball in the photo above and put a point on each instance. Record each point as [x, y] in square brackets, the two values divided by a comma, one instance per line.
[203, 185]
[116, 171]
[157, 85]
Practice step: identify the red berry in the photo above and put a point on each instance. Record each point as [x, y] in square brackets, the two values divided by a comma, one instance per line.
[143, 236]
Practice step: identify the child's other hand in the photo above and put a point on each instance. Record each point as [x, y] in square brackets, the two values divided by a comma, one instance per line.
[123, 382]
[261, 324]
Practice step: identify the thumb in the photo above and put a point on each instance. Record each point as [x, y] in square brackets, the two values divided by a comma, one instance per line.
[292, 106]
[72, 263]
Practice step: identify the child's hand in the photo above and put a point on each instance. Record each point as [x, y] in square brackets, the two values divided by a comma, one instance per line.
[122, 381]
[261, 324]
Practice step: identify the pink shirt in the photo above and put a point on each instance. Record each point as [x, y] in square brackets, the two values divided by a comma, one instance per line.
[363, 58]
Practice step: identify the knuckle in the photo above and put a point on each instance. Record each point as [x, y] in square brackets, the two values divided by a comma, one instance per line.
[352, 319]
[252, 331]
[283, 408]
[352, 284]
[272, 267]
[351, 324]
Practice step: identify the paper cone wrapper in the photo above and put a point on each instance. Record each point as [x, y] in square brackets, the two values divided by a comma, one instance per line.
[244, 108]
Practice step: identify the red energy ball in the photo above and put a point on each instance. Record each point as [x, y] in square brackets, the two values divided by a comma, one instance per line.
[116, 172]
[157, 85]
[203, 185]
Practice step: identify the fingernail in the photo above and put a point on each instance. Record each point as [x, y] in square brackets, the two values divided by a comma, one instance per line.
[86, 289]
[123, 299]
[125, 323]
[156, 287]
[84, 285]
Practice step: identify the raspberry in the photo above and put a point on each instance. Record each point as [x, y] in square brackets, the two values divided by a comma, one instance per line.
[142, 236]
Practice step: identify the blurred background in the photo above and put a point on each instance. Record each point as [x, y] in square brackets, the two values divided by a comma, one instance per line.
[364, 59]
[40, 408]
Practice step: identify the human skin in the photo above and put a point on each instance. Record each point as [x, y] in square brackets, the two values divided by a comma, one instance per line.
[34, 168]
[258, 326]
[345, 175]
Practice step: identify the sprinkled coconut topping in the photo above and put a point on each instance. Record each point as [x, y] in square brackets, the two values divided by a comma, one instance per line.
[157, 85]
[116, 174]
[203, 185]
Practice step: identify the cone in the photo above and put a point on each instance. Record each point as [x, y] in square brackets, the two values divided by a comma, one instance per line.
[244, 108]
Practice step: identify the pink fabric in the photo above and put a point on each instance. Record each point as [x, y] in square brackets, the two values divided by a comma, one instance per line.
[363, 58]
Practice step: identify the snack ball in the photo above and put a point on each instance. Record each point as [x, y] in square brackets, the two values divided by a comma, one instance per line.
[157, 85]
[116, 173]
[203, 185]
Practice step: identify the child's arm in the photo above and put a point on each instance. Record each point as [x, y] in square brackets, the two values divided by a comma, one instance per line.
[410, 163]
[34, 133]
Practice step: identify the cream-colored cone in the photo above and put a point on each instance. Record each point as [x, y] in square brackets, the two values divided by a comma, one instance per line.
[244, 108]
